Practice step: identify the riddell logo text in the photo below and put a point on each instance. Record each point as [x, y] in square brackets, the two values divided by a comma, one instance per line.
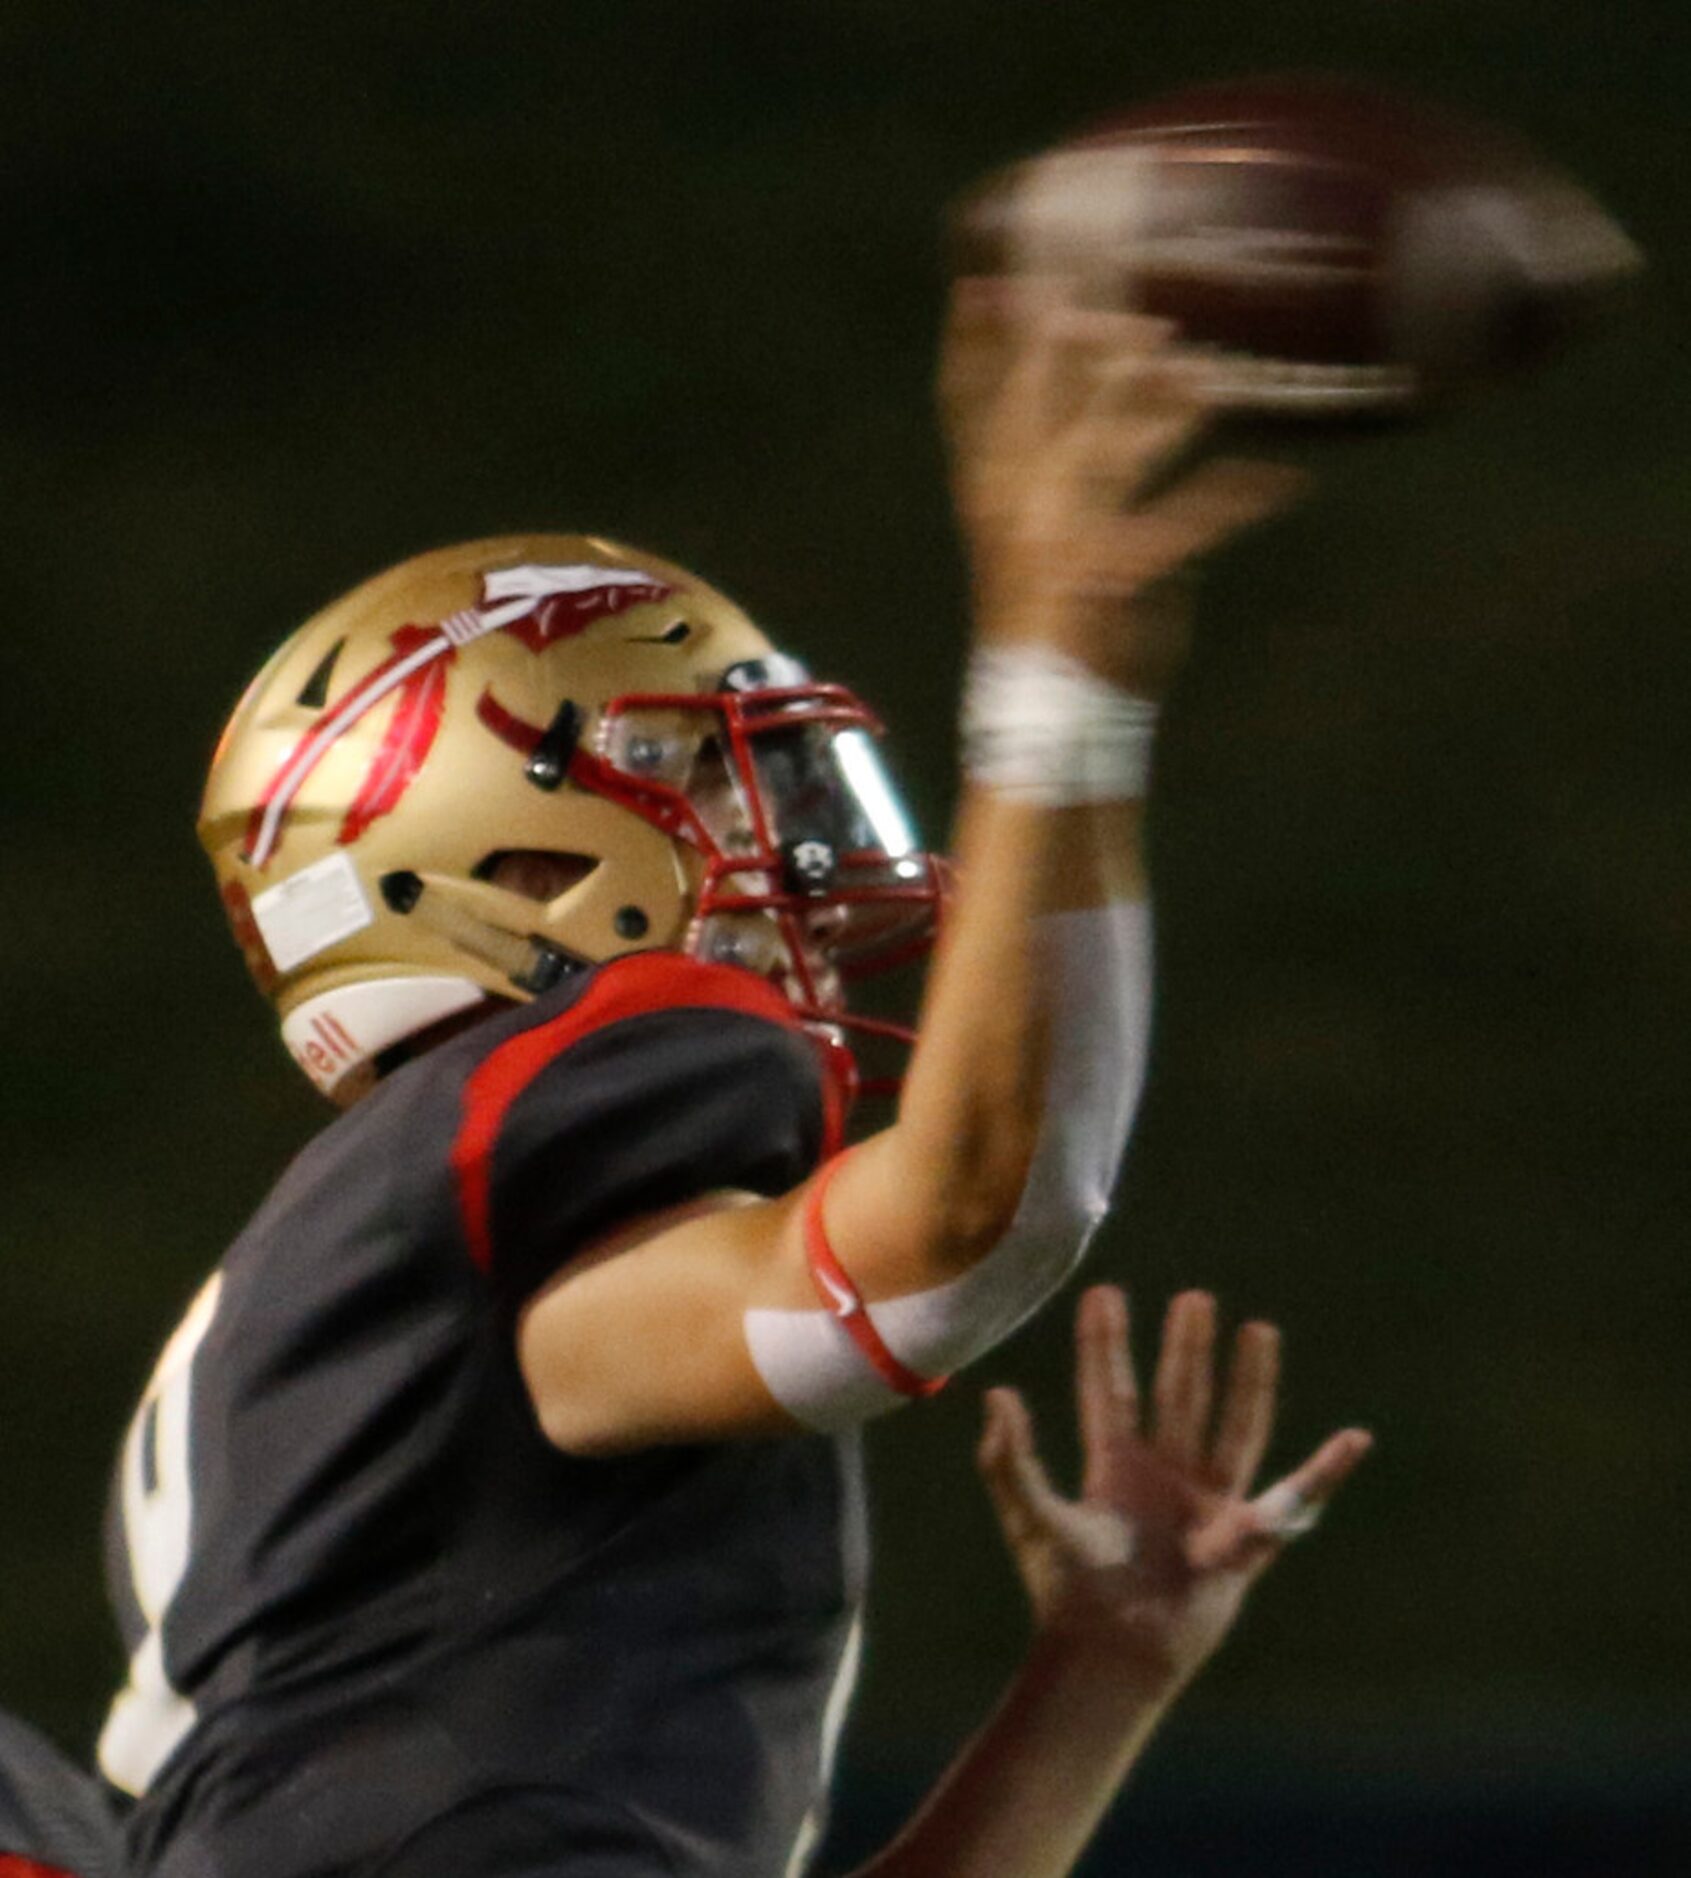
[328, 1051]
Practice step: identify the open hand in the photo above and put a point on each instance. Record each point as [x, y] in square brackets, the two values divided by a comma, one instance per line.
[1154, 1558]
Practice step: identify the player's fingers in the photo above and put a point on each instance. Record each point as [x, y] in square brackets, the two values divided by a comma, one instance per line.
[1106, 1397]
[1125, 360]
[991, 337]
[1143, 369]
[1022, 1495]
[1183, 1381]
[1035, 392]
[1130, 408]
[1202, 511]
[1120, 451]
[1228, 493]
[1233, 1541]
[1036, 363]
[1293, 1504]
[1247, 1411]
[1247, 1534]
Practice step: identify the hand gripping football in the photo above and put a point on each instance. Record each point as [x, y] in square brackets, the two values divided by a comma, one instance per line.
[1331, 249]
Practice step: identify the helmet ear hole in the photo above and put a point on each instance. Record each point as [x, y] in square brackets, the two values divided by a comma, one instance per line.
[539, 874]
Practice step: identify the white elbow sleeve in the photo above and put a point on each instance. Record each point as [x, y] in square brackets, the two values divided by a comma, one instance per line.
[814, 1362]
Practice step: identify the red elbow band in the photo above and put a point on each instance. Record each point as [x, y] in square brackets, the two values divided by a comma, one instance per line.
[845, 1303]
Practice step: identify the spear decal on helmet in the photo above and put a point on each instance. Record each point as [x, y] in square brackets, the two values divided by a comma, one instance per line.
[536, 604]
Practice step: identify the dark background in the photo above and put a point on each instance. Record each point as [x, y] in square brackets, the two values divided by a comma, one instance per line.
[293, 291]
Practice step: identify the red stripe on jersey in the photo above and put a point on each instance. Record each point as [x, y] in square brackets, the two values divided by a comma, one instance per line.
[845, 1302]
[11, 1866]
[632, 986]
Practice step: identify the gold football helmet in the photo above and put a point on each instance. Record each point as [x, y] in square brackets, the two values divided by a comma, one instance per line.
[501, 762]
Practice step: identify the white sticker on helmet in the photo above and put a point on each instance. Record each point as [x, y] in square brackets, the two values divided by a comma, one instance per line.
[312, 910]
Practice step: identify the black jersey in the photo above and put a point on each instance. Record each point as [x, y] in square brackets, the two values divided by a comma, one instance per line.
[368, 1607]
[54, 1820]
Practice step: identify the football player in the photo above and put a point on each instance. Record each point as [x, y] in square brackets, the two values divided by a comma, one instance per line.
[496, 1504]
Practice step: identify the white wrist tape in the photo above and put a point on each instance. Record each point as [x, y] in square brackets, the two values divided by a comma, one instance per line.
[1099, 964]
[1040, 727]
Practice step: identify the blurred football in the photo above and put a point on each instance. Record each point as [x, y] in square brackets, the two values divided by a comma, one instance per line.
[1333, 249]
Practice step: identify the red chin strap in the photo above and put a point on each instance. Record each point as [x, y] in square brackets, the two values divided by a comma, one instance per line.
[845, 1302]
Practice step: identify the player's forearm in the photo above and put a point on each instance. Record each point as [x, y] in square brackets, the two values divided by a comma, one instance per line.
[980, 1079]
[1056, 755]
[1027, 1793]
